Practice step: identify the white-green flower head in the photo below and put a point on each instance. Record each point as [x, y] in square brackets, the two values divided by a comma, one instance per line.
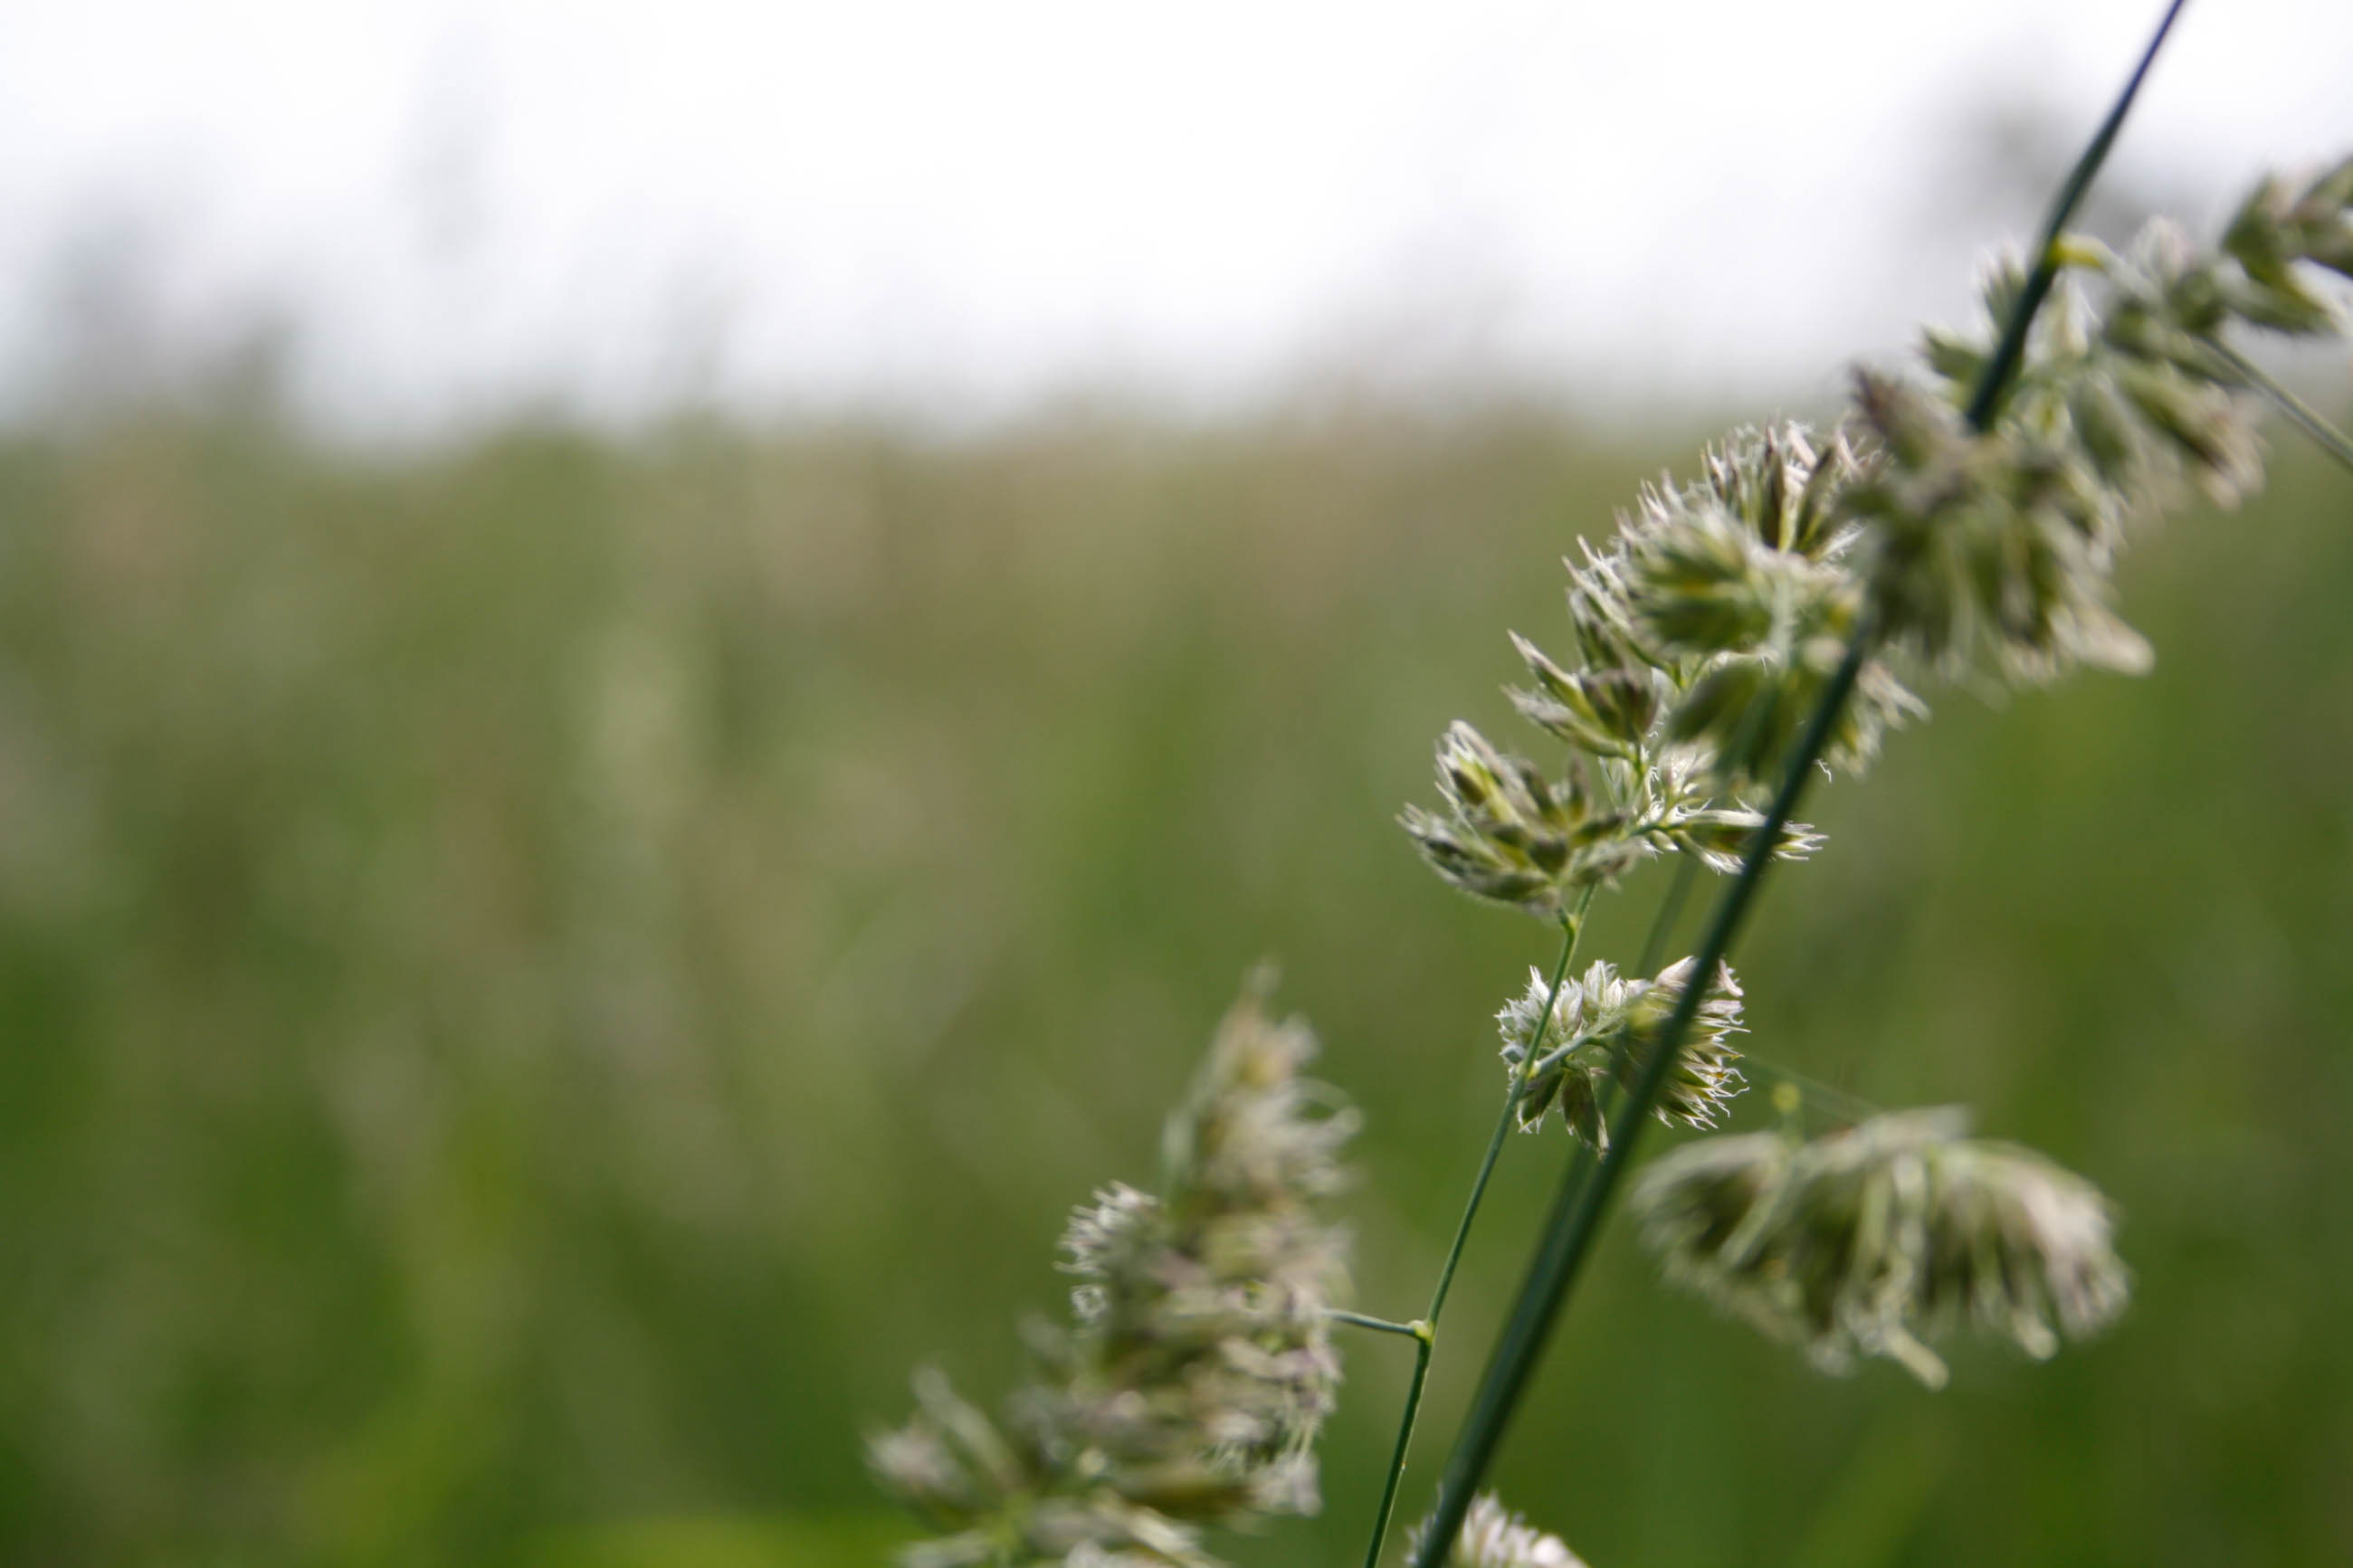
[1720, 837]
[1257, 1136]
[2020, 1246]
[1105, 1530]
[1675, 807]
[950, 1462]
[1115, 1245]
[1198, 1367]
[2278, 227]
[1703, 582]
[1492, 1536]
[1782, 482]
[2125, 389]
[1991, 548]
[1739, 590]
[1513, 837]
[1743, 713]
[1610, 711]
[1704, 633]
[1874, 1240]
[1601, 1027]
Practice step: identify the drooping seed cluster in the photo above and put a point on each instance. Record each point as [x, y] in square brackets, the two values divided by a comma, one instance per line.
[1492, 1536]
[1198, 1367]
[1602, 1030]
[1872, 1241]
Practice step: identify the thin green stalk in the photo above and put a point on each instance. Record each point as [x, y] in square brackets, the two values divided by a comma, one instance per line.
[1413, 1331]
[1853, 1107]
[2301, 414]
[1572, 930]
[1429, 1338]
[1578, 1209]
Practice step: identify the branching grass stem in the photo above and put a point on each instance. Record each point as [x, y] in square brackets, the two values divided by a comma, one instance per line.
[1570, 930]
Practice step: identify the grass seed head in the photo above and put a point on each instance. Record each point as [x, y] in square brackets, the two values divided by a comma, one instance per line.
[1873, 1241]
[1600, 1031]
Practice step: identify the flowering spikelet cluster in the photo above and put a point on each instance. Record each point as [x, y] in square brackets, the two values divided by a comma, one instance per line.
[1600, 1031]
[1189, 1386]
[1964, 521]
[1702, 634]
[1741, 587]
[1706, 629]
[1992, 550]
[1870, 1241]
[1492, 1536]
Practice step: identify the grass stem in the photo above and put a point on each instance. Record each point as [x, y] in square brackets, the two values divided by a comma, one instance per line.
[1570, 930]
[2003, 367]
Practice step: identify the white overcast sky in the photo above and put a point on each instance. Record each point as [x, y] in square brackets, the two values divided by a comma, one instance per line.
[953, 206]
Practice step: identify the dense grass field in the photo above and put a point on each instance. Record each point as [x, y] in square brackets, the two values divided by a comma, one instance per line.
[538, 979]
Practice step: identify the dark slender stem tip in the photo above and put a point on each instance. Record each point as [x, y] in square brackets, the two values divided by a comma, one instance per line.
[2012, 346]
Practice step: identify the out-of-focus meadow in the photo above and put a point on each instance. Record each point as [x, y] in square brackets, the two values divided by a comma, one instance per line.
[540, 978]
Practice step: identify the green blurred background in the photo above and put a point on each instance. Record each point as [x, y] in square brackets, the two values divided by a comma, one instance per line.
[541, 977]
